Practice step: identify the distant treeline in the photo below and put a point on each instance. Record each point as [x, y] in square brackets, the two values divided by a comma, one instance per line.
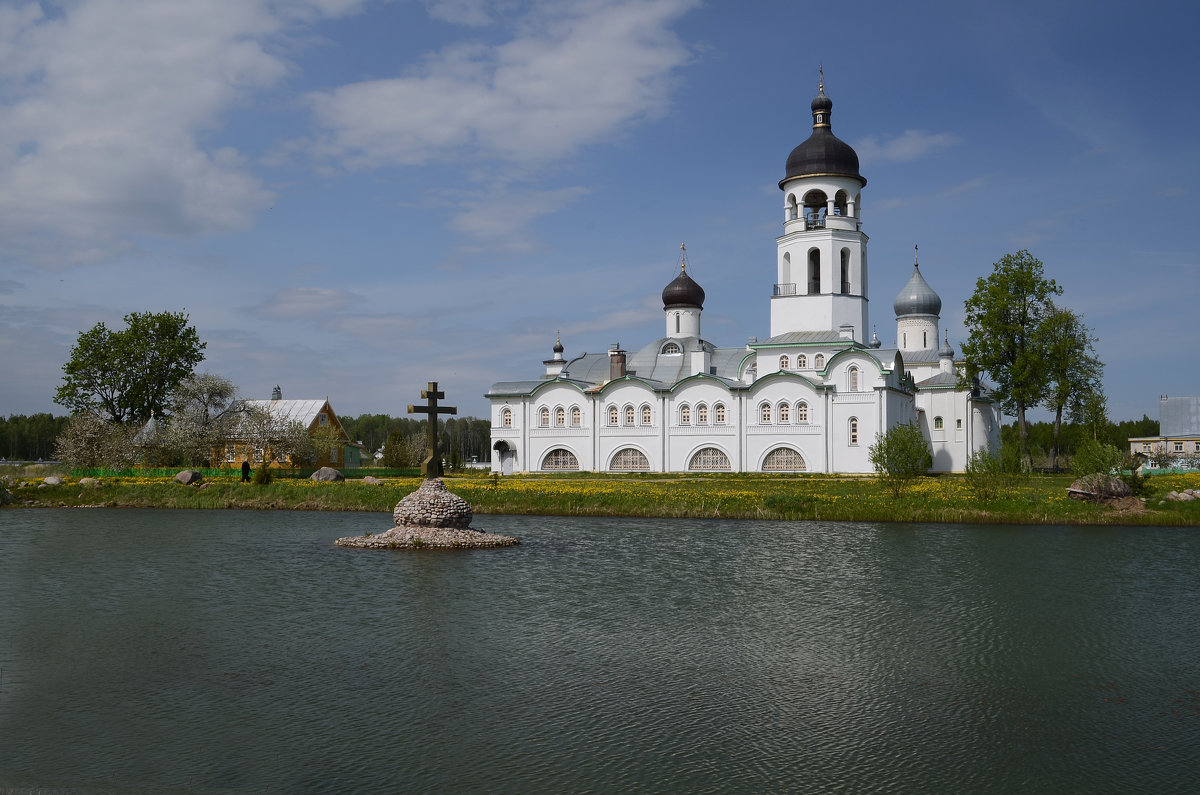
[32, 437]
[29, 438]
[1041, 435]
[459, 438]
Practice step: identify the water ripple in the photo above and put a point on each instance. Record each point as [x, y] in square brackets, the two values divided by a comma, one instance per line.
[176, 650]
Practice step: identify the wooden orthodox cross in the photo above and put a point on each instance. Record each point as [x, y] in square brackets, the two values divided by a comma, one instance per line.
[431, 467]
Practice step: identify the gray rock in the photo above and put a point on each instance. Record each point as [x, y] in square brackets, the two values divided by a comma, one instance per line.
[371, 480]
[188, 477]
[327, 475]
[433, 506]
[53, 480]
[90, 483]
[1099, 487]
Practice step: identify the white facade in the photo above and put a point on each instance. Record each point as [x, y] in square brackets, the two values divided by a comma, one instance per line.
[810, 398]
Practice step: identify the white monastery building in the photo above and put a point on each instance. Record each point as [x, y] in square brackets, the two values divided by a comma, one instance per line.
[811, 397]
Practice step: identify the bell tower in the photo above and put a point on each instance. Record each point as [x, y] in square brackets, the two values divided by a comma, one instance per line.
[822, 254]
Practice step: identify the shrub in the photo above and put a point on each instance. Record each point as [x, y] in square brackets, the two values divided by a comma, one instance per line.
[899, 456]
[262, 475]
[1092, 456]
[986, 475]
[1139, 483]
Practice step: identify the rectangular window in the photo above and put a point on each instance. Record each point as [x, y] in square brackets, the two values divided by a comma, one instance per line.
[1179, 447]
[322, 420]
[1145, 447]
[958, 425]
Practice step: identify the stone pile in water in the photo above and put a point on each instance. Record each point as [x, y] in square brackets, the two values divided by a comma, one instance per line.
[430, 518]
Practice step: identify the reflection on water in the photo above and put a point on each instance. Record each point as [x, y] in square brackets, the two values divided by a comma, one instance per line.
[239, 650]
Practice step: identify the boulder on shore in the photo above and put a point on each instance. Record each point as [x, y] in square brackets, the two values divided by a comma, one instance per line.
[1098, 488]
[189, 477]
[327, 475]
[371, 480]
[53, 480]
[93, 483]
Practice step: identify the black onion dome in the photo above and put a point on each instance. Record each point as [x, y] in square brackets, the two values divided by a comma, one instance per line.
[683, 291]
[917, 297]
[558, 346]
[823, 153]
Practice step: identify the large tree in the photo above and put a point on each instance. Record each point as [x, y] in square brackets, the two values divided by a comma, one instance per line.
[200, 421]
[1003, 316]
[128, 375]
[1072, 369]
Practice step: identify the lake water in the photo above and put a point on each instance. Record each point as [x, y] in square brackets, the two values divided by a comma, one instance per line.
[227, 650]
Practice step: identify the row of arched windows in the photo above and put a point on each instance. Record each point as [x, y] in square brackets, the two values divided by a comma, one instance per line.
[702, 415]
[785, 363]
[783, 413]
[707, 459]
[630, 414]
[544, 415]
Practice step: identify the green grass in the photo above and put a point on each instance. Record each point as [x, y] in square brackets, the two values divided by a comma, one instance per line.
[947, 498]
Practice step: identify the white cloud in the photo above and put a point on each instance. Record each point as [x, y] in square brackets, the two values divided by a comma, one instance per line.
[306, 303]
[107, 103]
[471, 13]
[500, 217]
[912, 145]
[572, 74]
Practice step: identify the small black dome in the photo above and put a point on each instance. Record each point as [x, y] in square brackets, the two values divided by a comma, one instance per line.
[683, 291]
[823, 152]
[558, 346]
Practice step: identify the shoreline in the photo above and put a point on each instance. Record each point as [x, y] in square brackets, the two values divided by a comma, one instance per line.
[1031, 500]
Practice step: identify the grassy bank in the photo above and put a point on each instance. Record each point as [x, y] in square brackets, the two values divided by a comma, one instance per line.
[1028, 500]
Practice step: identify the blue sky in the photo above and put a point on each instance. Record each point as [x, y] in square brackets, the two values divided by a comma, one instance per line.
[351, 198]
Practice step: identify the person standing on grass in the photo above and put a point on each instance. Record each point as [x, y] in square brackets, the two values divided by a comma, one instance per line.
[246, 470]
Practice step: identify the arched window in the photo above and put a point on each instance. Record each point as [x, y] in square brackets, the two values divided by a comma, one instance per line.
[709, 459]
[801, 362]
[802, 412]
[544, 418]
[819, 361]
[614, 415]
[685, 414]
[676, 322]
[671, 347]
[560, 460]
[924, 339]
[784, 413]
[792, 208]
[783, 362]
[853, 379]
[938, 424]
[560, 417]
[506, 418]
[854, 431]
[764, 413]
[719, 414]
[784, 459]
[629, 415]
[814, 272]
[646, 415]
[576, 416]
[702, 414]
[845, 271]
[629, 460]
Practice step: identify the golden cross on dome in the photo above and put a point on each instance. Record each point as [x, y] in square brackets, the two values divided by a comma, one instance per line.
[683, 256]
[821, 82]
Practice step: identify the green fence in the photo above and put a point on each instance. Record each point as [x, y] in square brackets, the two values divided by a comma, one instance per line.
[226, 472]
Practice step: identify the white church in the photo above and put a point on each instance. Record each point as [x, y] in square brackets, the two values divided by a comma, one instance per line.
[811, 397]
